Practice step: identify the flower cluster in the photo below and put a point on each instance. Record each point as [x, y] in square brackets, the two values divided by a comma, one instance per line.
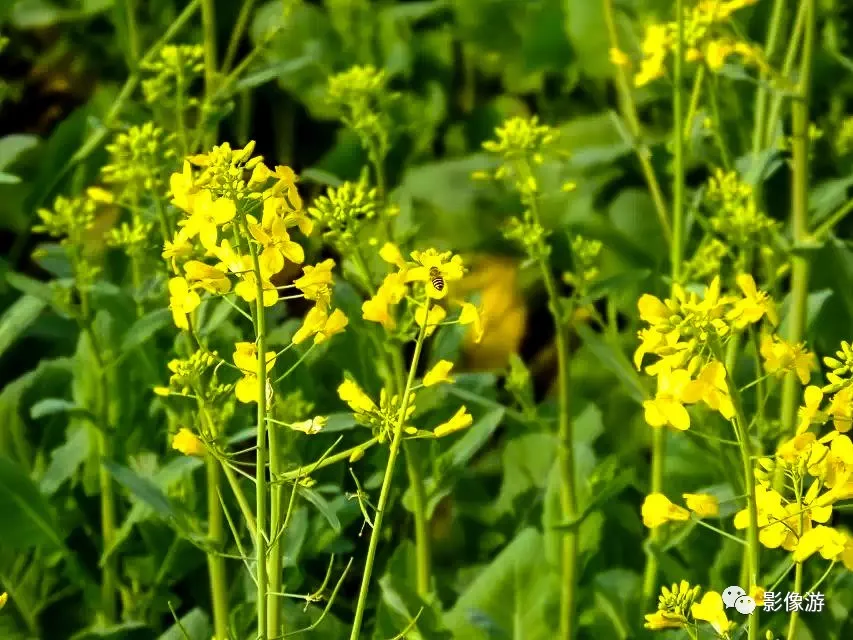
[585, 255]
[679, 606]
[687, 332]
[432, 273]
[140, 159]
[345, 211]
[705, 39]
[236, 236]
[171, 74]
[736, 216]
[657, 509]
[818, 471]
[383, 417]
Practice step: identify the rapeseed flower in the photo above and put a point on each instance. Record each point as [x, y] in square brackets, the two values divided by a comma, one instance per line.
[460, 420]
[702, 504]
[657, 510]
[182, 302]
[438, 374]
[188, 443]
[246, 359]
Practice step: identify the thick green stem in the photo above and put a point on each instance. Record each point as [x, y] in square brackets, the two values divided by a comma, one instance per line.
[385, 491]
[422, 542]
[215, 561]
[798, 588]
[628, 108]
[799, 216]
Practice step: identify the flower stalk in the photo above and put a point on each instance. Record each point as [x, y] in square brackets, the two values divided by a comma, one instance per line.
[385, 491]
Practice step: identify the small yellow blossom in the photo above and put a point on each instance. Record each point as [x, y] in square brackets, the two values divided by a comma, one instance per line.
[810, 412]
[183, 188]
[316, 282]
[712, 610]
[703, 505]
[177, 248]
[826, 540]
[182, 301]
[757, 594]
[781, 357]
[460, 420]
[320, 324]
[667, 408]
[246, 359]
[355, 397]
[391, 254]
[471, 315]
[4, 598]
[206, 277]
[312, 426]
[711, 387]
[658, 510]
[618, 57]
[187, 443]
[753, 306]
[438, 374]
[436, 270]
[100, 195]
[206, 218]
[272, 235]
[841, 409]
[377, 309]
[660, 620]
[433, 319]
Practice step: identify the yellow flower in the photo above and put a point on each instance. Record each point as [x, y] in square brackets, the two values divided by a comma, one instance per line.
[377, 310]
[182, 301]
[753, 306]
[656, 44]
[355, 397]
[286, 184]
[246, 359]
[667, 408]
[757, 594]
[316, 282]
[653, 310]
[841, 409]
[810, 412]
[320, 324]
[438, 374]
[460, 420]
[781, 357]
[272, 235]
[660, 620]
[657, 510]
[710, 386]
[206, 277]
[650, 339]
[187, 443]
[312, 426]
[390, 253]
[711, 609]
[470, 315]
[703, 505]
[206, 218]
[618, 57]
[177, 247]
[99, 195]
[826, 540]
[436, 270]
[436, 315]
[716, 53]
[183, 189]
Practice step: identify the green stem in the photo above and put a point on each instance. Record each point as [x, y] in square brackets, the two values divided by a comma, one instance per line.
[758, 132]
[132, 33]
[795, 614]
[423, 555]
[787, 67]
[799, 216]
[753, 543]
[276, 550]
[565, 449]
[628, 108]
[215, 562]
[109, 577]
[237, 34]
[385, 491]
[693, 106]
[261, 437]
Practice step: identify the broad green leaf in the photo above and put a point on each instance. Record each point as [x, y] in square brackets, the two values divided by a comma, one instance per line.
[14, 145]
[515, 596]
[145, 491]
[615, 361]
[123, 631]
[144, 328]
[17, 318]
[31, 286]
[51, 406]
[28, 519]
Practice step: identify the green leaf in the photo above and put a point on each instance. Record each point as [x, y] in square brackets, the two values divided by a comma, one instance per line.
[145, 491]
[323, 507]
[615, 361]
[28, 519]
[123, 631]
[339, 422]
[13, 146]
[66, 459]
[34, 14]
[17, 319]
[587, 33]
[144, 328]
[513, 597]
[196, 625]
[31, 286]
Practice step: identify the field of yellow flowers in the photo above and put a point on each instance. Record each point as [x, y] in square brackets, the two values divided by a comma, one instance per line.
[426, 319]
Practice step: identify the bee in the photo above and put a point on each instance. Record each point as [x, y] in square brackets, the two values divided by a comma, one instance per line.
[436, 278]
